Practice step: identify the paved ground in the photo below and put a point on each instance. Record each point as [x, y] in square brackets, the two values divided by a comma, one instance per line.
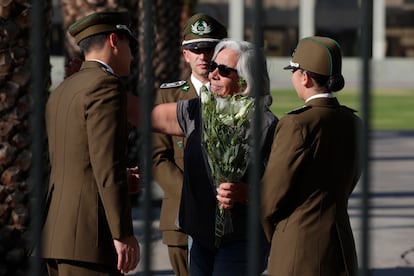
[392, 211]
[392, 204]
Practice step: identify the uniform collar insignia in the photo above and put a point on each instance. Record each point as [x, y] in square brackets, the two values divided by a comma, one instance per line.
[201, 28]
[185, 88]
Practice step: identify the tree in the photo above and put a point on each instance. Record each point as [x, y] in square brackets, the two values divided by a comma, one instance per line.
[15, 140]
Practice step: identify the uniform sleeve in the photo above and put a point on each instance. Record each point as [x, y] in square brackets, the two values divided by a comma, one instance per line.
[165, 170]
[187, 111]
[283, 167]
[106, 124]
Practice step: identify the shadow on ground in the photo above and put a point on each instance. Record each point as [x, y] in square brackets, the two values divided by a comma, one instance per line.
[396, 271]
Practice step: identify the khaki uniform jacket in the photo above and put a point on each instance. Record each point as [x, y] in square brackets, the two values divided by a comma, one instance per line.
[168, 154]
[88, 200]
[311, 173]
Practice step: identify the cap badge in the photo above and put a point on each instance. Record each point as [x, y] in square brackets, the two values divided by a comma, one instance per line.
[200, 28]
[294, 64]
[123, 27]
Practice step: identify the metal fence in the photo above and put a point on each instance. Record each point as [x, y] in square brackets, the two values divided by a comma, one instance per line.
[38, 114]
[37, 180]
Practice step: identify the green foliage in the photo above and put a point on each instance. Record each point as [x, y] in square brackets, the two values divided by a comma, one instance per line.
[390, 109]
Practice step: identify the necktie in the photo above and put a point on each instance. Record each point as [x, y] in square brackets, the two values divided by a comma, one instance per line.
[203, 89]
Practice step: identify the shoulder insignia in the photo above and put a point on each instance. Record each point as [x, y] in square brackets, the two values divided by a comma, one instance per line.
[107, 70]
[349, 109]
[299, 110]
[172, 84]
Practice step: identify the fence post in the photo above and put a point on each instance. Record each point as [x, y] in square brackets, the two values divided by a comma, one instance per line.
[146, 107]
[366, 41]
[37, 129]
[254, 214]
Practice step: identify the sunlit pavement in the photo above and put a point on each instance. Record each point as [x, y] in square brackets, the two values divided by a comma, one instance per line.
[391, 230]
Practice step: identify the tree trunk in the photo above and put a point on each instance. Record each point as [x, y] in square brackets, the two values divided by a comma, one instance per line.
[15, 142]
[166, 16]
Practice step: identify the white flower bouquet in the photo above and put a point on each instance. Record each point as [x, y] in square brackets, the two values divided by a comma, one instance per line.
[226, 140]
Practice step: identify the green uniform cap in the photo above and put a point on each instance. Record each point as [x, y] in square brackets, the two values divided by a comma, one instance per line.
[101, 22]
[320, 55]
[202, 31]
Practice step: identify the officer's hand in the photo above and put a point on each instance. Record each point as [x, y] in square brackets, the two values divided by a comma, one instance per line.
[128, 252]
[134, 183]
[73, 67]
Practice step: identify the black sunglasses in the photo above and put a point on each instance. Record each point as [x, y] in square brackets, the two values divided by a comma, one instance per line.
[200, 51]
[223, 70]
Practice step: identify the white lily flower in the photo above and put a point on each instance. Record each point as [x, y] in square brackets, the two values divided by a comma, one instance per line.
[226, 119]
[222, 105]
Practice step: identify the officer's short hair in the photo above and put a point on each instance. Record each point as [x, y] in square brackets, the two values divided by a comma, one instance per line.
[94, 41]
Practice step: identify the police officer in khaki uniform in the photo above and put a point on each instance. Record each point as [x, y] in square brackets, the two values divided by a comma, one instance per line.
[200, 35]
[312, 171]
[88, 225]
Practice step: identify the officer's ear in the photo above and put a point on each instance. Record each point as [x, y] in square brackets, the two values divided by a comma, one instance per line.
[185, 55]
[113, 40]
[307, 81]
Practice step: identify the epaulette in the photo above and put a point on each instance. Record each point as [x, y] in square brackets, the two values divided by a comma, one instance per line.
[172, 84]
[299, 110]
[348, 108]
[107, 69]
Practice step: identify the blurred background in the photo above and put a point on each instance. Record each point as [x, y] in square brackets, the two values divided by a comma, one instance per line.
[284, 22]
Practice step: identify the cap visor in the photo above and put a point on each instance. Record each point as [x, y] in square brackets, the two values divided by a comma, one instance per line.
[289, 67]
[200, 45]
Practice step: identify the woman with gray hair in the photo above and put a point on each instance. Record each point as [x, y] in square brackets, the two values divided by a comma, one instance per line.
[244, 66]
[231, 72]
